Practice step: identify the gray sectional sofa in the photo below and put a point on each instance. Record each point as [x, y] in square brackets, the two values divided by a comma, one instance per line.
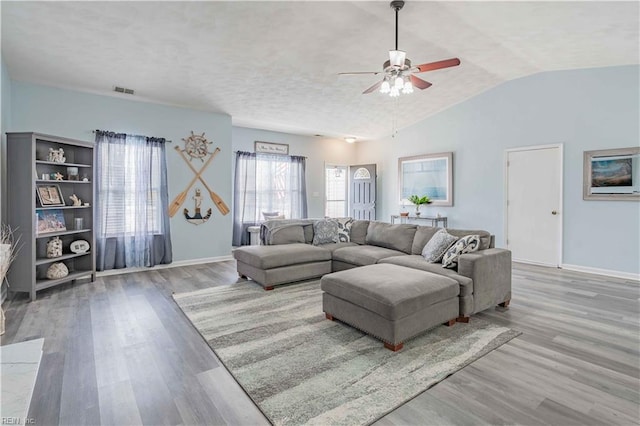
[482, 278]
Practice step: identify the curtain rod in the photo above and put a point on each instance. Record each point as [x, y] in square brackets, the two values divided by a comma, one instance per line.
[166, 140]
[284, 155]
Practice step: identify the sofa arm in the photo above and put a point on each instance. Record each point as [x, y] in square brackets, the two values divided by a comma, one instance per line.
[490, 271]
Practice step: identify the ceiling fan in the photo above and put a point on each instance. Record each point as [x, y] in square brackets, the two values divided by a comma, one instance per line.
[398, 72]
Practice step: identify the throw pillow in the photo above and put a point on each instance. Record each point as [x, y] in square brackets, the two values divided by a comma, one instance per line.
[466, 244]
[325, 231]
[437, 246]
[270, 215]
[344, 229]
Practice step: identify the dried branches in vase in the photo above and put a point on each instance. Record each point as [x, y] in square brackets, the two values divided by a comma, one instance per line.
[8, 251]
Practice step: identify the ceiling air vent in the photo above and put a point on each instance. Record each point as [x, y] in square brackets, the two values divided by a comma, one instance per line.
[123, 90]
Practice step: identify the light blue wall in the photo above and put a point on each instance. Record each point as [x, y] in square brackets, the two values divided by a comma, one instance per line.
[585, 110]
[75, 114]
[317, 150]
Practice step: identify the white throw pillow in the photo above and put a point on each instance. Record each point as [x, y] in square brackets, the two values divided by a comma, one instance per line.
[437, 246]
[344, 229]
[466, 244]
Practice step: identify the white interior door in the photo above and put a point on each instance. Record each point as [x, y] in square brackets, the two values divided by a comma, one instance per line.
[362, 192]
[534, 201]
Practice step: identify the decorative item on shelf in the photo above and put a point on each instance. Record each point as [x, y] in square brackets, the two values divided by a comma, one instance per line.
[403, 211]
[49, 195]
[72, 173]
[79, 246]
[56, 155]
[418, 201]
[404, 214]
[197, 218]
[45, 176]
[87, 204]
[54, 248]
[58, 176]
[76, 201]
[78, 223]
[50, 221]
[85, 178]
[57, 270]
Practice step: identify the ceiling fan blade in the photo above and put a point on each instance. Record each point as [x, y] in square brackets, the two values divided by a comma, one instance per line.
[420, 83]
[360, 72]
[373, 88]
[431, 66]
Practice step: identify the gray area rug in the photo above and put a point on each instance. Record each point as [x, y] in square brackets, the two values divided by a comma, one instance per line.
[300, 368]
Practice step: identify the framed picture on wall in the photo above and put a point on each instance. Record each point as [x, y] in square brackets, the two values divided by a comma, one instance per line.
[611, 174]
[271, 148]
[429, 174]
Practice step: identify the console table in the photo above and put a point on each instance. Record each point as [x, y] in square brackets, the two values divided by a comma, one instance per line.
[434, 220]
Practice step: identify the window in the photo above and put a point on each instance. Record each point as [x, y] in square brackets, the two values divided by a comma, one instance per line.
[335, 183]
[130, 183]
[267, 183]
[131, 198]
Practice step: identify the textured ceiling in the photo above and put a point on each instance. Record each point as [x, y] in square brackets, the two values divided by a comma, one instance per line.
[274, 65]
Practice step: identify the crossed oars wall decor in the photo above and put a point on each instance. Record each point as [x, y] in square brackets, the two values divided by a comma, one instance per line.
[202, 151]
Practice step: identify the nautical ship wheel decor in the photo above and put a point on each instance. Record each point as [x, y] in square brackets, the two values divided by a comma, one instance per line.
[196, 146]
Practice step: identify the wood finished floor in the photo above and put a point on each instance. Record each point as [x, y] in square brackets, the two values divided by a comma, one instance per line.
[120, 352]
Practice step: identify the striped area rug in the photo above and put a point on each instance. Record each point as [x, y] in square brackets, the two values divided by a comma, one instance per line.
[300, 368]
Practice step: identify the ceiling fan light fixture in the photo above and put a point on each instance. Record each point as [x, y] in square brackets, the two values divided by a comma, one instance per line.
[394, 93]
[397, 58]
[399, 82]
[407, 88]
[385, 87]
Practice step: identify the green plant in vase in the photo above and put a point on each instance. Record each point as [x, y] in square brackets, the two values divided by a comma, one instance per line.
[418, 201]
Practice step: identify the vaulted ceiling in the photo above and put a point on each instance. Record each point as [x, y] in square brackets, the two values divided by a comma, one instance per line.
[275, 65]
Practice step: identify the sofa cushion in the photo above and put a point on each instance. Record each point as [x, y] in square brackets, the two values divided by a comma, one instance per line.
[325, 231]
[267, 257]
[359, 231]
[466, 244]
[417, 262]
[395, 237]
[390, 291]
[423, 235]
[344, 229]
[438, 245]
[288, 235]
[363, 255]
[335, 246]
[485, 237]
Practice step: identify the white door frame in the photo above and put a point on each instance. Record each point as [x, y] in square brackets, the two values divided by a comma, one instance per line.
[559, 242]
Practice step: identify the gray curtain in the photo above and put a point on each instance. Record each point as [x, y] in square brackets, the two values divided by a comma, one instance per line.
[267, 183]
[131, 199]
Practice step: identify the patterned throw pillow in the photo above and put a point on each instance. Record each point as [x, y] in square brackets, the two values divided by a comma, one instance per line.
[325, 231]
[467, 244]
[437, 246]
[344, 229]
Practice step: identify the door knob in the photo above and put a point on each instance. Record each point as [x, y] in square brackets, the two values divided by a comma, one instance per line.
[554, 212]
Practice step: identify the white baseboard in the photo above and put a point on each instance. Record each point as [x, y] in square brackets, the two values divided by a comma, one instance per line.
[170, 265]
[598, 271]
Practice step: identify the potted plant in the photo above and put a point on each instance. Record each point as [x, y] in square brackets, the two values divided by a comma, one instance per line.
[418, 201]
[7, 254]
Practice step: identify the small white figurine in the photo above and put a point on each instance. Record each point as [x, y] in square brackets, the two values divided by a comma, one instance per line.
[54, 247]
[76, 201]
[56, 155]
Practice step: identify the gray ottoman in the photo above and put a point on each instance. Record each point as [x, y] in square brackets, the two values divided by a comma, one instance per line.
[283, 263]
[390, 302]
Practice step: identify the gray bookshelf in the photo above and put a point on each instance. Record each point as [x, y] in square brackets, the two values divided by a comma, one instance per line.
[27, 162]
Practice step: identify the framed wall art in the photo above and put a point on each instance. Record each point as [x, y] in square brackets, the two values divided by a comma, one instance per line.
[429, 174]
[611, 174]
[50, 195]
[271, 148]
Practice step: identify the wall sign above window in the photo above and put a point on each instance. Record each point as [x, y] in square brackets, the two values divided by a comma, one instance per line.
[271, 148]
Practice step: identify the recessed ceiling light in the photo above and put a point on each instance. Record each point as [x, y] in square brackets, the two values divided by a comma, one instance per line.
[350, 139]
